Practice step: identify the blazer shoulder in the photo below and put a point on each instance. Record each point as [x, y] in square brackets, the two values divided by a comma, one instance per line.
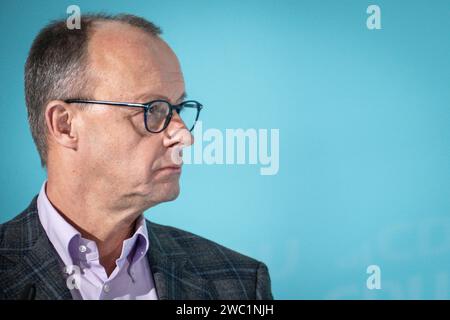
[196, 245]
[204, 253]
[235, 275]
[22, 231]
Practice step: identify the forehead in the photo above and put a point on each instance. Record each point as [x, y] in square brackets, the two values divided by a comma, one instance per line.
[126, 62]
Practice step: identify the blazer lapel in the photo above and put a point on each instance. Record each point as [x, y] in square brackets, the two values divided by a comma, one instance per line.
[37, 272]
[46, 272]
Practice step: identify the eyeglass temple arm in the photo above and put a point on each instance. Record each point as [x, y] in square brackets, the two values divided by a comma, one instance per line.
[110, 103]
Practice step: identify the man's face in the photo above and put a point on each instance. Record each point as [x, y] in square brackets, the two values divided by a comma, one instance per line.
[117, 154]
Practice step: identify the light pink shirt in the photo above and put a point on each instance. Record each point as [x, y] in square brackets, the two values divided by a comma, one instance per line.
[132, 277]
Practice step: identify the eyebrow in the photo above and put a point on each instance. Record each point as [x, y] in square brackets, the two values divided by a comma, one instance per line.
[149, 97]
[182, 97]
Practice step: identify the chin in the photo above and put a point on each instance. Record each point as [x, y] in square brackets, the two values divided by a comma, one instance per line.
[166, 192]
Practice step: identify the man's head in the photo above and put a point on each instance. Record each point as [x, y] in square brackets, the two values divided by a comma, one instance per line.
[114, 58]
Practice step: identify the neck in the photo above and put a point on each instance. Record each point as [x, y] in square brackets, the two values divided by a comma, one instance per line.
[94, 214]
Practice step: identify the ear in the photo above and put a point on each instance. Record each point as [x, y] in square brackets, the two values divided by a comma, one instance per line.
[59, 117]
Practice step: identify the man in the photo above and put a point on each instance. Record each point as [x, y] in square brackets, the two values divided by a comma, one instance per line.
[107, 113]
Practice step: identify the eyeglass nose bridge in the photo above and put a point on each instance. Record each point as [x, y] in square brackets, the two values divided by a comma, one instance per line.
[169, 117]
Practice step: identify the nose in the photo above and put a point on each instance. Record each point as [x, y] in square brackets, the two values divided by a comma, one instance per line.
[176, 133]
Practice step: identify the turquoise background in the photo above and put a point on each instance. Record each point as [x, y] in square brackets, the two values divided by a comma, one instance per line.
[364, 135]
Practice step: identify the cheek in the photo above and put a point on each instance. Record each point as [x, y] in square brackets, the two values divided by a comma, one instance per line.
[128, 154]
[146, 154]
[133, 163]
[102, 144]
[117, 149]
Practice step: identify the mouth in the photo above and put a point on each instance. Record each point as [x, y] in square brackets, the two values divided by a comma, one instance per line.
[170, 170]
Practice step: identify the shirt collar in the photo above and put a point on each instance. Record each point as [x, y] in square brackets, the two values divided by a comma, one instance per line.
[60, 233]
[135, 247]
[66, 239]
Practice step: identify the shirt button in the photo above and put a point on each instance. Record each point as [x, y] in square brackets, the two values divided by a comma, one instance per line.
[106, 288]
[82, 248]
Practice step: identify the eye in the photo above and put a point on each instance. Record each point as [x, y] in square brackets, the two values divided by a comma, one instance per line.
[159, 108]
[137, 112]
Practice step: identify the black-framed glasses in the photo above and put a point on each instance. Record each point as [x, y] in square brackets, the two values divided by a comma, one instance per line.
[157, 113]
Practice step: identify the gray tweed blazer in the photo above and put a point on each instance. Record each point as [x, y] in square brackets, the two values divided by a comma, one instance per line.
[184, 265]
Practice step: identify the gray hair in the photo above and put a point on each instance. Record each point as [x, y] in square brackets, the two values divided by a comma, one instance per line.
[56, 67]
